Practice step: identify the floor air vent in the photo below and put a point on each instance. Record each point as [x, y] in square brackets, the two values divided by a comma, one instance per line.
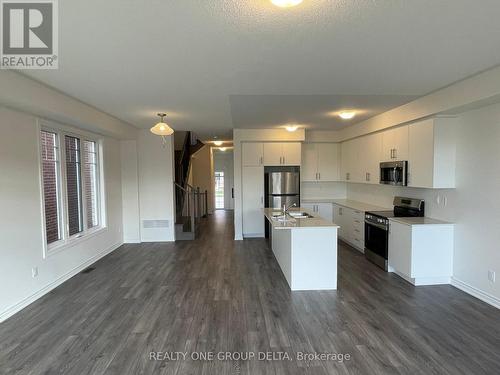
[88, 270]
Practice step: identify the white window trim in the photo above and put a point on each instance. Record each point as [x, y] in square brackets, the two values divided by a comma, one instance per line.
[67, 241]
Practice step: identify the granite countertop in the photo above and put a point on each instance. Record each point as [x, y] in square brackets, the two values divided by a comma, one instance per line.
[294, 223]
[355, 205]
[419, 221]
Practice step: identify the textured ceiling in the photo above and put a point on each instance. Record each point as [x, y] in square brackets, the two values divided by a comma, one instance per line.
[200, 61]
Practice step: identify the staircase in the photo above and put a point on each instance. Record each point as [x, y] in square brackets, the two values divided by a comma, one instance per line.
[190, 203]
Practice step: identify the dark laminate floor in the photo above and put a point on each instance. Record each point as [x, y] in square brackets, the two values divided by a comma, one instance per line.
[215, 294]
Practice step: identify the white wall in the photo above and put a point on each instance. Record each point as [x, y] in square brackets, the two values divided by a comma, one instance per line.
[474, 205]
[29, 96]
[201, 173]
[223, 161]
[156, 186]
[130, 192]
[21, 245]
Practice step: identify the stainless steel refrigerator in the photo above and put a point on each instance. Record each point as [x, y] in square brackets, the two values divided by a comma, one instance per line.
[283, 188]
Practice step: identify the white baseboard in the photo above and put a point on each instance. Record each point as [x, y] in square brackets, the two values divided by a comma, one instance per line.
[475, 292]
[131, 240]
[4, 315]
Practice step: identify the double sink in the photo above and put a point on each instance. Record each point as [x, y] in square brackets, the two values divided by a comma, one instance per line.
[291, 215]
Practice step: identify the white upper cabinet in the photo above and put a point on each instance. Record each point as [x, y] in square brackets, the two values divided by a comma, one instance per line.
[320, 162]
[429, 146]
[350, 164]
[431, 161]
[252, 154]
[395, 144]
[369, 158]
[273, 153]
[328, 161]
[292, 153]
[309, 171]
[286, 153]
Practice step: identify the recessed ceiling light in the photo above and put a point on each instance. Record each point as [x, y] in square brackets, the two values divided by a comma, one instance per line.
[286, 3]
[347, 115]
[218, 143]
[291, 128]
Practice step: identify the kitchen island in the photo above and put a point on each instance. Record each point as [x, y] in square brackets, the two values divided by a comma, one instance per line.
[305, 247]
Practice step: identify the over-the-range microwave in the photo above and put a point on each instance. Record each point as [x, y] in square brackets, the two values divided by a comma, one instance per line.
[394, 173]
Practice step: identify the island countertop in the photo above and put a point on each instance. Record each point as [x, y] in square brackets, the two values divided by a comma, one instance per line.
[295, 223]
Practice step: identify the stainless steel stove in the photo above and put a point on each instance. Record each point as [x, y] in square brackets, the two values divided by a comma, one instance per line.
[377, 228]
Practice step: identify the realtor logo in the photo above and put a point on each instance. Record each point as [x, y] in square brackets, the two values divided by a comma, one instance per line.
[29, 34]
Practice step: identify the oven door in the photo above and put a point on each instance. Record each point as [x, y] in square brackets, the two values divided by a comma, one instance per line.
[377, 239]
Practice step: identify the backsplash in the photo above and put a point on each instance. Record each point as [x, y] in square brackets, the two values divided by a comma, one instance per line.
[438, 202]
[323, 190]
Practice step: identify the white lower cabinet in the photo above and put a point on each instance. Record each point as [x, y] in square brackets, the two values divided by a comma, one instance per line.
[352, 226]
[322, 210]
[421, 254]
[253, 201]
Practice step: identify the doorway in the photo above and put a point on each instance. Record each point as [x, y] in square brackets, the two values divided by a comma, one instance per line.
[219, 190]
[223, 179]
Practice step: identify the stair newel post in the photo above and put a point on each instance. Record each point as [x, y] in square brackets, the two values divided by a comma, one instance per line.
[198, 208]
[206, 203]
[192, 210]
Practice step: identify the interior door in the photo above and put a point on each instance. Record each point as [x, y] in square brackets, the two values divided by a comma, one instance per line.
[273, 153]
[253, 201]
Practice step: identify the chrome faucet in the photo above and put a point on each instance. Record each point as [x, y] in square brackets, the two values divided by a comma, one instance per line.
[286, 209]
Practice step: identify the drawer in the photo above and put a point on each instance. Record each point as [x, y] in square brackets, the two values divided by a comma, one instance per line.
[358, 215]
[358, 224]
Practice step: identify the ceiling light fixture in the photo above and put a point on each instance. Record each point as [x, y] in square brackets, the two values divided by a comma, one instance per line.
[223, 149]
[347, 115]
[162, 129]
[291, 128]
[286, 3]
[218, 143]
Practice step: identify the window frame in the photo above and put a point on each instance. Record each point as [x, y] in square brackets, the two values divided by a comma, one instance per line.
[66, 240]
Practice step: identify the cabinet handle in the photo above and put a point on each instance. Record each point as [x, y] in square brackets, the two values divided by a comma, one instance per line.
[261, 160]
[356, 230]
[261, 200]
[367, 176]
[319, 174]
[316, 175]
[283, 160]
[395, 153]
[392, 153]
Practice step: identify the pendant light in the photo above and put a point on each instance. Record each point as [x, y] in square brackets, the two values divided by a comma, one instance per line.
[162, 129]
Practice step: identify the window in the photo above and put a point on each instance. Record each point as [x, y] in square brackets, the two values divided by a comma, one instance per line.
[91, 183]
[74, 185]
[51, 186]
[219, 190]
[71, 186]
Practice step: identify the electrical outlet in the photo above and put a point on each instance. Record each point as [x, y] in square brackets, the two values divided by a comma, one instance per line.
[34, 272]
[491, 276]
